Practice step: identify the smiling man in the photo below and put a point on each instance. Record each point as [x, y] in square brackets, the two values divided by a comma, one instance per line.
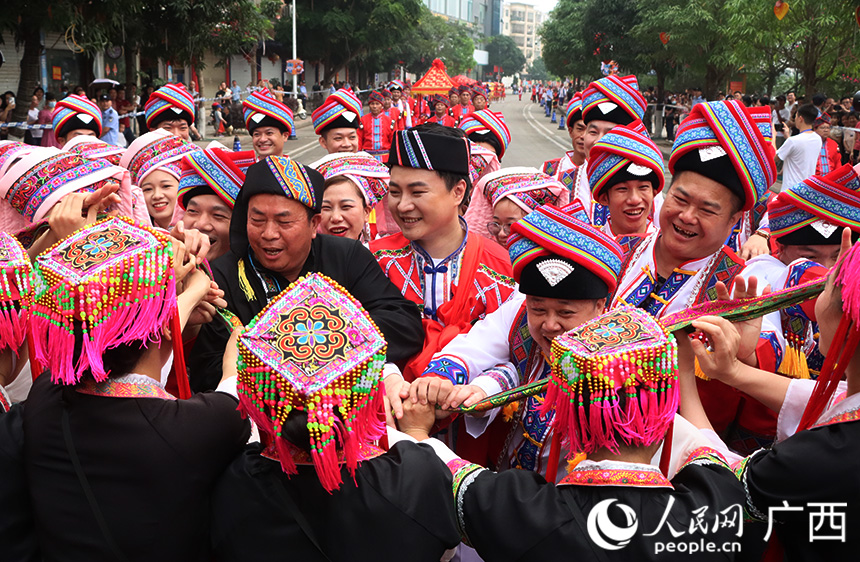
[721, 163]
[337, 121]
[171, 108]
[208, 186]
[564, 169]
[273, 242]
[269, 122]
[565, 269]
[625, 173]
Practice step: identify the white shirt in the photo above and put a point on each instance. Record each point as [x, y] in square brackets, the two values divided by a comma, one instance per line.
[800, 155]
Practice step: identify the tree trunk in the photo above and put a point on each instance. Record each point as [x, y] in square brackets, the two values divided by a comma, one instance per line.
[29, 80]
[130, 77]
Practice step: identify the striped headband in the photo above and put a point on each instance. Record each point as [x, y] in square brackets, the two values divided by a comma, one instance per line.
[369, 174]
[429, 151]
[482, 161]
[477, 91]
[341, 104]
[621, 91]
[262, 104]
[528, 188]
[220, 170]
[742, 133]
[155, 149]
[626, 148]
[833, 199]
[438, 98]
[550, 231]
[171, 101]
[293, 179]
[375, 97]
[574, 109]
[76, 112]
[484, 121]
[396, 85]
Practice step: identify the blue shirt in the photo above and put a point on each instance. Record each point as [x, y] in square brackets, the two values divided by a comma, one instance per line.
[110, 124]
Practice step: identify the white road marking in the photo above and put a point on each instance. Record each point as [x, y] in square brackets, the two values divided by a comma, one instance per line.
[537, 126]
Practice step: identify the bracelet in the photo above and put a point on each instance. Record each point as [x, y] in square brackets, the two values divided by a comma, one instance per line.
[763, 234]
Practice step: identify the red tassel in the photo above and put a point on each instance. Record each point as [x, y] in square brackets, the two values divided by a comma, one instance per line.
[554, 454]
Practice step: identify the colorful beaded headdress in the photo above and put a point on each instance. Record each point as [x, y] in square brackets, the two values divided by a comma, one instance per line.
[76, 112]
[113, 282]
[366, 172]
[824, 203]
[614, 382]
[613, 98]
[486, 122]
[527, 187]
[314, 348]
[261, 109]
[169, 102]
[15, 296]
[482, 161]
[625, 152]
[154, 150]
[342, 109]
[214, 170]
[44, 175]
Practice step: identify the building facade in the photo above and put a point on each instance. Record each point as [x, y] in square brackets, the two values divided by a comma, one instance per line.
[521, 22]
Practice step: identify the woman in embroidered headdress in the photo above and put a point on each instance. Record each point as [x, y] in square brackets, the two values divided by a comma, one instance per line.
[355, 183]
[110, 454]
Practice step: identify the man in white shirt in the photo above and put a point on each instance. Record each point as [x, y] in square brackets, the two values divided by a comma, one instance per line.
[800, 152]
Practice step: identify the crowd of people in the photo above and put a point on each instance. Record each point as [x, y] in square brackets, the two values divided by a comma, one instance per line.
[208, 354]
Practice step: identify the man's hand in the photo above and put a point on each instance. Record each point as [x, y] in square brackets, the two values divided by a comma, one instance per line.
[77, 210]
[430, 390]
[417, 420]
[464, 394]
[396, 390]
[722, 363]
[749, 330]
[196, 242]
[755, 246]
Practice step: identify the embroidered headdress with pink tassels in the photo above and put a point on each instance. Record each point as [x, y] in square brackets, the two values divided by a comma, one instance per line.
[314, 349]
[108, 284]
[614, 382]
[15, 296]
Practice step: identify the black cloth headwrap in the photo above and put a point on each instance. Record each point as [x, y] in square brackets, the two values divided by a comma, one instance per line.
[579, 284]
[429, 151]
[170, 115]
[488, 138]
[808, 236]
[617, 116]
[624, 175]
[74, 123]
[267, 121]
[342, 123]
[259, 179]
[718, 169]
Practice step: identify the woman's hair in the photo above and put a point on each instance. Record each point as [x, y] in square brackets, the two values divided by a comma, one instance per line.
[295, 430]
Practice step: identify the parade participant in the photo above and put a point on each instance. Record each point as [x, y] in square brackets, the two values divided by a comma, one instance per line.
[105, 372]
[829, 159]
[396, 88]
[377, 129]
[512, 193]
[479, 98]
[441, 113]
[336, 122]
[610, 101]
[391, 111]
[625, 173]
[17, 534]
[269, 122]
[817, 426]
[354, 185]
[452, 274]
[209, 182]
[76, 115]
[37, 182]
[153, 161]
[721, 165]
[273, 242]
[478, 212]
[488, 129]
[171, 108]
[323, 473]
[564, 169]
[454, 97]
[614, 392]
[565, 269]
[464, 107]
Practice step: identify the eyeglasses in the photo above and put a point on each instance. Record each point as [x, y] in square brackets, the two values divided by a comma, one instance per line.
[494, 228]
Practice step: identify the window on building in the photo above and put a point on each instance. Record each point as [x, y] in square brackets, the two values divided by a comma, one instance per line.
[531, 16]
[518, 28]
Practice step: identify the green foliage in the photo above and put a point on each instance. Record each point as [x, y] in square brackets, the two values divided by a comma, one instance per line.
[537, 71]
[504, 53]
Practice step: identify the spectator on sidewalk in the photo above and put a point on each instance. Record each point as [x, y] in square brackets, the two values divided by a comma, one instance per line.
[800, 152]
[829, 157]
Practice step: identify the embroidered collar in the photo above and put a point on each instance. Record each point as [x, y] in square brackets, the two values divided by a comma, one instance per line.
[426, 259]
[126, 386]
[615, 473]
[843, 410]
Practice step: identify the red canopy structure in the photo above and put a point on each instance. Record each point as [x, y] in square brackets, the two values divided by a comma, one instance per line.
[436, 81]
[462, 80]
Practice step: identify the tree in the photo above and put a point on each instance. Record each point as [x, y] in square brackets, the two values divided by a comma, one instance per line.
[505, 54]
[537, 70]
[336, 33]
[564, 50]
